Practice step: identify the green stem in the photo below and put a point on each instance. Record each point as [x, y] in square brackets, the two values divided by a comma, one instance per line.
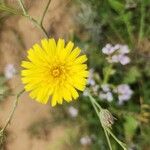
[141, 32]
[117, 140]
[44, 13]
[23, 7]
[94, 101]
[25, 14]
[128, 27]
[96, 106]
[97, 109]
[107, 74]
[13, 110]
[108, 140]
[35, 22]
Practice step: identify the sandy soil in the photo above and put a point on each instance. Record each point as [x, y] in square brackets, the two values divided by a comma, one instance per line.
[16, 37]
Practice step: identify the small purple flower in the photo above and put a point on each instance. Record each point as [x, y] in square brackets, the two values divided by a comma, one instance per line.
[109, 96]
[106, 93]
[113, 59]
[105, 87]
[124, 88]
[108, 49]
[124, 59]
[124, 92]
[106, 96]
[124, 49]
[91, 80]
[117, 53]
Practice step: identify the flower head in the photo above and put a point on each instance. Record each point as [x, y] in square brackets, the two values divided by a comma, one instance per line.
[106, 93]
[106, 96]
[73, 112]
[124, 92]
[9, 71]
[54, 70]
[117, 53]
[106, 118]
[91, 80]
[86, 140]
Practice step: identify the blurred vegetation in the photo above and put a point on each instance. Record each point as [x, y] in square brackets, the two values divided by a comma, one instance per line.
[3, 140]
[6, 11]
[4, 89]
[100, 22]
[118, 22]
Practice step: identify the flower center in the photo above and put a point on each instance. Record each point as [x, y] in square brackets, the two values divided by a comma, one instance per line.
[56, 72]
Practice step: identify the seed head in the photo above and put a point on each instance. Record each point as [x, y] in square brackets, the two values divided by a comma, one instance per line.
[106, 118]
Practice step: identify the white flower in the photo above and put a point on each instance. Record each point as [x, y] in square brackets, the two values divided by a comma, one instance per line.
[108, 49]
[86, 140]
[106, 96]
[124, 59]
[106, 93]
[124, 89]
[124, 49]
[9, 71]
[113, 59]
[124, 92]
[105, 87]
[109, 96]
[117, 53]
[102, 95]
[124, 97]
[91, 81]
[73, 111]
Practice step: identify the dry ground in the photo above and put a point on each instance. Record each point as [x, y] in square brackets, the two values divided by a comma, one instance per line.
[18, 35]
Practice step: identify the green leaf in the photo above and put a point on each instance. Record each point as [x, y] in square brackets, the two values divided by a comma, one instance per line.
[116, 5]
[132, 75]
[130, 127]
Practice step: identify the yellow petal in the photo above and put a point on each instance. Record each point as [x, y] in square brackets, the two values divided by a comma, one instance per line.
[60, 45]
[81, 59]
[75, 53]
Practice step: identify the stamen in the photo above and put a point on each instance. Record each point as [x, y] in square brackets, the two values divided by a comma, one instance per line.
[56, 72]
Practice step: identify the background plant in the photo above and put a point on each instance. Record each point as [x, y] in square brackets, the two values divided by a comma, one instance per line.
[115, 22]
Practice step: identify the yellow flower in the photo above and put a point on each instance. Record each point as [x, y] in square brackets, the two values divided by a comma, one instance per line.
[54, 70]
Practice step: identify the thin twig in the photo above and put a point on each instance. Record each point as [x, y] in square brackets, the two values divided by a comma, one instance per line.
[23, 7]
[142, 23]
[107, 74]
[95, 105]
[94, 101]
[108, 140]
[26, 14]
[35, 22]
[117, 140]
[13, 110]
[44, 13]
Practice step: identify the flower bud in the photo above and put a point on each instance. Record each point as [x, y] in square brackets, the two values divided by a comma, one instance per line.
[106, 118]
